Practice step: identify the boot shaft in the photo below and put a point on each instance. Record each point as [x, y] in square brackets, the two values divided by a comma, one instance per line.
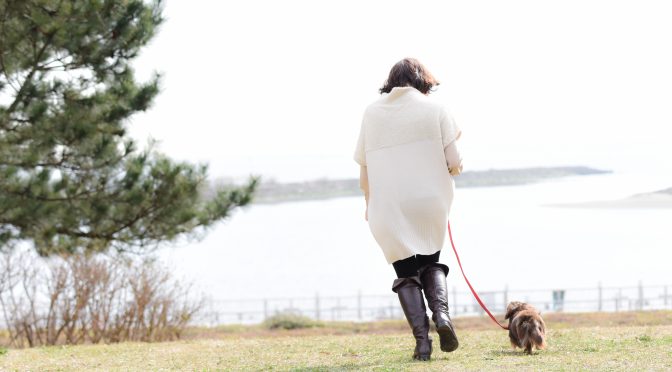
[433, 281]
[412, 302]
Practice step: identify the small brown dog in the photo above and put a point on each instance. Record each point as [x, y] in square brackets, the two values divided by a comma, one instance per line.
[526, 327]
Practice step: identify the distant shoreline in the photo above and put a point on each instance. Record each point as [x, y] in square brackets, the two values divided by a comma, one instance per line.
[274, 192]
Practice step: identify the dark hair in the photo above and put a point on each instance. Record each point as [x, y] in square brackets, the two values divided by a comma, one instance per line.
[409, 72]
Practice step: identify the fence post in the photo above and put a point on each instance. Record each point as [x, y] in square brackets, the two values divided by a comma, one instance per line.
[359, 304]
[338, 308]
[640, 296]
[506, 296]
[618, 300]
[665, 296]
[265, 309]
[317, 306]
[558, 299]
[455, 301]
[599, 296]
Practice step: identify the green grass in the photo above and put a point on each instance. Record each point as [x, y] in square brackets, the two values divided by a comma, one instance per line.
[646, 346]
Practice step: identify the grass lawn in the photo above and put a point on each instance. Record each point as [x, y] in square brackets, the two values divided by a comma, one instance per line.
[629, 341]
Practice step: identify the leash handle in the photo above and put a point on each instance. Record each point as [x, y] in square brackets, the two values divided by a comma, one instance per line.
[450, 234]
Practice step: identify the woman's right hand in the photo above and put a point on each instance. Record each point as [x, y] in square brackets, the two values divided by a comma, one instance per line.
[455, 171]
[453, 159]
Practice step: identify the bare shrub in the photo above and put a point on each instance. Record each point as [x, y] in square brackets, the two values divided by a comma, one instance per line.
[159, 309]
[90, 299]
[18, 292]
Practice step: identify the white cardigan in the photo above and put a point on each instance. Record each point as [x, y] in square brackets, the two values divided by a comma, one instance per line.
[407, 153]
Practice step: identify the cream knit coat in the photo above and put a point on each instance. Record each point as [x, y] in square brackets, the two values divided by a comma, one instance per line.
[407, 151]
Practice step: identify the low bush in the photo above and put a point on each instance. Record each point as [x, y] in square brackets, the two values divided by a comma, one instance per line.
[290, 320]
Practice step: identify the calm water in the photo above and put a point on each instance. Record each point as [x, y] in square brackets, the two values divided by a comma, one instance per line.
[505, 236]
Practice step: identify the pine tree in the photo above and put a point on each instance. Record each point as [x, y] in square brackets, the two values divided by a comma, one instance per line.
[71, 179]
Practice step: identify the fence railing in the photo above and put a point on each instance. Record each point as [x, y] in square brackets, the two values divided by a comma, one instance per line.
[361, 307]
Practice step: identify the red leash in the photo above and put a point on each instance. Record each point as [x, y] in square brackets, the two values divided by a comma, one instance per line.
[469, 284]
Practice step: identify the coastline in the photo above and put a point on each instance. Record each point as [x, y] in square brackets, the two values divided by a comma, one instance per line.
[322, 189]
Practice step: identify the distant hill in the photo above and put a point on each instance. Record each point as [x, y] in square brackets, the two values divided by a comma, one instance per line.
[275, 192]
[520, 176]
[666, 191]
[656, 200]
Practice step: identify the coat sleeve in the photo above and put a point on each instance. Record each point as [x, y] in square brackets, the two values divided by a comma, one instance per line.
[360, 153]
[449, 130]
[364, 180]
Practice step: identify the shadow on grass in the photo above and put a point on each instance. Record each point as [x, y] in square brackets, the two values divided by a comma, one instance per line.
[348, 367]
[332, 368]
[512, 353]
[401, 365]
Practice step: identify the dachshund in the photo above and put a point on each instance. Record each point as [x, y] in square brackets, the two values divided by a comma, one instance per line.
[526, 327]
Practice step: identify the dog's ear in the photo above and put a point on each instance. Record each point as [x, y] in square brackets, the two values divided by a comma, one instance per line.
[509, 313]
[542, 324]
[512, 309]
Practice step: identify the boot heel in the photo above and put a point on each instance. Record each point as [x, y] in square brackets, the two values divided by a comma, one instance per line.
[447, 338]
[433, 278]
[423, 358]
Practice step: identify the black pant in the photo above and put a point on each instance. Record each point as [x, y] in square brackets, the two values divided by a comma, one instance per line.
[409, 266]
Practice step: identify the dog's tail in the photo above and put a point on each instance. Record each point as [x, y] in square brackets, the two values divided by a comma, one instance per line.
[532, 336]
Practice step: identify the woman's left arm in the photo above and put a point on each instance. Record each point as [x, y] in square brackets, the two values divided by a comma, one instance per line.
[364, 185]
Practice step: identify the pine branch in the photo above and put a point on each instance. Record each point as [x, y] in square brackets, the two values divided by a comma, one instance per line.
[28, 80]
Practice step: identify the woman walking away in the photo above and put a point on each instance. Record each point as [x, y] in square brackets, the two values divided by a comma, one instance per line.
[407, 153]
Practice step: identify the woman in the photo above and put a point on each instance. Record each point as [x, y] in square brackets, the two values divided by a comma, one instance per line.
[407, 154]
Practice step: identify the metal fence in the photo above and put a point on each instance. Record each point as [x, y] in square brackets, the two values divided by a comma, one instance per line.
[361, 307]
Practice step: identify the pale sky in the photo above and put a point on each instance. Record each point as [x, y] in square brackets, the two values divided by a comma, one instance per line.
[278, 88]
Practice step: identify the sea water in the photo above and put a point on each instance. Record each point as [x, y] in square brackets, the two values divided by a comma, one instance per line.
[514, 236]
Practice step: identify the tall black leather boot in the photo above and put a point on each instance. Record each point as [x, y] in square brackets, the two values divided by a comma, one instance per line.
[412, 303]
[433, 279]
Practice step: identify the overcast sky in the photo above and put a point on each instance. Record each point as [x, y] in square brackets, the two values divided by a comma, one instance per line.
[278, 88]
